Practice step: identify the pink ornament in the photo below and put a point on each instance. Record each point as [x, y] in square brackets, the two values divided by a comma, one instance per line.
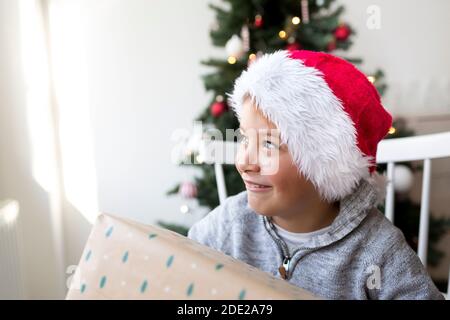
[188, 190]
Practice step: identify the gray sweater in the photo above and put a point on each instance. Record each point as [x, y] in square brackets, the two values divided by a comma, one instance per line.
[362, 256]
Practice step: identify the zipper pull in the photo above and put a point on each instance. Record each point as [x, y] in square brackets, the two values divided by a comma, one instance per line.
[284, 268]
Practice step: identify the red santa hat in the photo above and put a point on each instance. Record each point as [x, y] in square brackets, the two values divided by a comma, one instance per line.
[327, 111]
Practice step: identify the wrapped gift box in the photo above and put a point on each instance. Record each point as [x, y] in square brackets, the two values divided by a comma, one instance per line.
[128, 260]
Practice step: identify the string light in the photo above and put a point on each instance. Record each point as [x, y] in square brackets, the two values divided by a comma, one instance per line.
[296, 20]
[282, 34]
[371, 79]
[184, 209]
[231, 60]
[199, 159]
[392, 130]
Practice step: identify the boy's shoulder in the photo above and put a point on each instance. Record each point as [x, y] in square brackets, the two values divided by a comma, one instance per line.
[403, 276]
[381, 235]
[375, 241]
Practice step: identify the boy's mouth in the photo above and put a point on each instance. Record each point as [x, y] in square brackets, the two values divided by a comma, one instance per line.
[256, 187]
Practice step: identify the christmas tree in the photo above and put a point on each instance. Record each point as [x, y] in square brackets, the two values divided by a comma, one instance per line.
[246, 29]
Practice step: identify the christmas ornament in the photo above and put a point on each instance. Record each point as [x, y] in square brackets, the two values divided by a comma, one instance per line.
[234, 47]
[403, 178]
[342, 32]
[258, 21]
[245, 36]
[188, 190]
[305, 11]
[218, 108]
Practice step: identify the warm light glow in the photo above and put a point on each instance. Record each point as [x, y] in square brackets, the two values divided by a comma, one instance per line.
[295, 20]
[252, 57]
[282, 34]
[391, 130]
[38, 105]
[371, 79]
[231, 60]
[199, 159]
[184, 209]
[72, 100]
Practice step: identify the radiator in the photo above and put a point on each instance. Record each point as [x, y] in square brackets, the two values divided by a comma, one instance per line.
[11, 285]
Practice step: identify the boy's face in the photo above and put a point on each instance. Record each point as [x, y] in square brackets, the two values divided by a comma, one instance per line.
[274, 184]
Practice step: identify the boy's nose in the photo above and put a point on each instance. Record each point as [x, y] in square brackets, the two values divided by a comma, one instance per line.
[247, 167]
[247, 161]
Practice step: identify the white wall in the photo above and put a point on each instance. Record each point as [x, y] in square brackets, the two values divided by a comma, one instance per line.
[412, 48]
[143, 78]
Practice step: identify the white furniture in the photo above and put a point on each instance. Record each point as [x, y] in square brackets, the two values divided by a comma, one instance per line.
[390, 151]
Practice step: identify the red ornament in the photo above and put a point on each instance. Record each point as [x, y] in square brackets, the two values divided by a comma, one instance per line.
[217, 108]
[342, 32]
[293, 46]
[331, 46]
[258, 21]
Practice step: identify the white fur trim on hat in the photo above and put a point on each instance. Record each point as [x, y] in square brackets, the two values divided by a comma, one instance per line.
[320, 135]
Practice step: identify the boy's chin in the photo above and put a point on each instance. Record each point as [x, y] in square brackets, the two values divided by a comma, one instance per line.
[261, 210]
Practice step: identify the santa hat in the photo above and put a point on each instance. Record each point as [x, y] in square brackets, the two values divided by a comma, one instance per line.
[327, 111]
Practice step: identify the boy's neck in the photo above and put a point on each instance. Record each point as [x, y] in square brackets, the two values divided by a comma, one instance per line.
[308, 219]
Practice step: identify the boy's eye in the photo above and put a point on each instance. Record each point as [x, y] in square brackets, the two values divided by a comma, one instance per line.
[269, 144]
[241, 138]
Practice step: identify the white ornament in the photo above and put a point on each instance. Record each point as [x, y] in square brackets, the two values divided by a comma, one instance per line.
[245, 36]
[403, 178]
[235, 47]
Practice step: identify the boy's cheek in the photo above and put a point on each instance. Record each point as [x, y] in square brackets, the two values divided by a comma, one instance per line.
[269, 167]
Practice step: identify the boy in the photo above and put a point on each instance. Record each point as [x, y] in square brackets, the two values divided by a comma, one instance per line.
[310, 125]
